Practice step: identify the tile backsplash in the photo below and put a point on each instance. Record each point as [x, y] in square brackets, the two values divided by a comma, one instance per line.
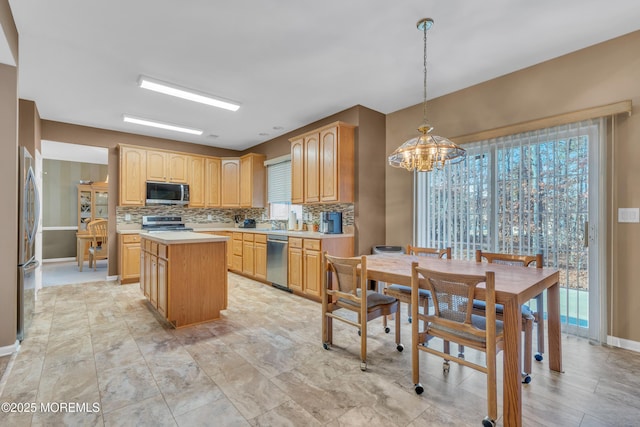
[201, 215]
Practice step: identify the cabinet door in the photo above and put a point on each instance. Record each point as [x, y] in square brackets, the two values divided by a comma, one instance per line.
[248, 252]
[212, 182]
[162, 278]
[197, 182]
[153, 282]
[230, 192]
[312, 168]
[312, 272]
[133, 163]
[142, 272]
[295, 269]
[297, 171]
[329, 165]
[246, 182]
[156, 166]
[85, 206]
[147, 275]
[130, 257]
[178, 165]
[260, 254]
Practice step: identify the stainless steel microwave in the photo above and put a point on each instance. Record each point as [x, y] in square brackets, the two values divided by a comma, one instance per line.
[166, 193]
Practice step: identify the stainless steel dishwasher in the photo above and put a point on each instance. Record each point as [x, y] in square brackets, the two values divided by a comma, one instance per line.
[277, 261]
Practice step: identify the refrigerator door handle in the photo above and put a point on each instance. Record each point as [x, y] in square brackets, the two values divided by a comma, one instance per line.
[31, 184]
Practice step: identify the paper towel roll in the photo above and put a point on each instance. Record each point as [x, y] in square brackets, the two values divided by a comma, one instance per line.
[292, 221]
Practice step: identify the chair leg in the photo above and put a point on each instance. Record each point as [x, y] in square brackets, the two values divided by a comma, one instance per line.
[492, 393]
[539, 319]
[399, 345]
[363, 343]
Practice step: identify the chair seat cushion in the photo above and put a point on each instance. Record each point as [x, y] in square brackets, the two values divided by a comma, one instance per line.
[374, 299]
[407, 290]
[482, 305]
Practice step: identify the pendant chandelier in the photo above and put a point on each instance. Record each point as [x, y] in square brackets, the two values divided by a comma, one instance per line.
[426, 151]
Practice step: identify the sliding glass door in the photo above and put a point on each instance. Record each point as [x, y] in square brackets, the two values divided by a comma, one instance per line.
[535, 192]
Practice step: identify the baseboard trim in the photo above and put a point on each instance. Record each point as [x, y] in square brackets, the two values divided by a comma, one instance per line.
[48, 260]
[9, 349]
[112, 278]
[623, 343]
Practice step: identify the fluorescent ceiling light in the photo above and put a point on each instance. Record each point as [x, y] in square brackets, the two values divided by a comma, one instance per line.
[184, 93]
[161, 125]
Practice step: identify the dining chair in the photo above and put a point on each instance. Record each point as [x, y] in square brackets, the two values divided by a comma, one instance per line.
[452, 320]
[403, 293]
[344, 286]
[528, 316]
[99, 241]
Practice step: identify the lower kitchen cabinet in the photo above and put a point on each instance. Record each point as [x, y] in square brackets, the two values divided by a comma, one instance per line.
[248, 254]
[260, 257]
[162, 286]
[236, 254]
[295, 264]
[312, 267]
[129, 252]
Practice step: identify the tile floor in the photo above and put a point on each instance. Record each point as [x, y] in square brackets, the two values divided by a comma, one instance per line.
[262, 364]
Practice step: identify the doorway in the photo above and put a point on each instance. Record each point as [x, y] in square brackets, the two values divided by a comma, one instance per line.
[73, 193]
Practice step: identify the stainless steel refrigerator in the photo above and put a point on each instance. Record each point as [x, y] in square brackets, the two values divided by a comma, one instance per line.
[29, 215]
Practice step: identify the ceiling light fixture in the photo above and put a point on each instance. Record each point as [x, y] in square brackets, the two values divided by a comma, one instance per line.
[161, 125]
[188, 94]
[426, 151]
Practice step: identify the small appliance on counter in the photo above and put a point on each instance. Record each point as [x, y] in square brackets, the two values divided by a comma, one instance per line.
[248, 223]
[331, 222]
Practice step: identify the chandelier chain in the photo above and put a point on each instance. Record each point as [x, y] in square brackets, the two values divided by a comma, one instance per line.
[424, 103]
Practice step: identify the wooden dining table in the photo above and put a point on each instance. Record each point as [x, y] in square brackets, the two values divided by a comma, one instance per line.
[514, 286]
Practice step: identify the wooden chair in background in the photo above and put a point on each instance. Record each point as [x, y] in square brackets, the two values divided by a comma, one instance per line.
[99, 241]
[349, 291]
[453, 320]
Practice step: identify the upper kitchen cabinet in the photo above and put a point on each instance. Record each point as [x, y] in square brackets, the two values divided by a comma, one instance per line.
[166, 166]
[252, 181]
[230, 188]
[197, 183]
[322, 165]
[133, 166]
[212, 182]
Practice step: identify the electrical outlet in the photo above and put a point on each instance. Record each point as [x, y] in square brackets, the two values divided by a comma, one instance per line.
[127, 217]
[209, 217]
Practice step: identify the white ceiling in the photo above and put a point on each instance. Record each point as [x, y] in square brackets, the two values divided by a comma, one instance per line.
[289, 62]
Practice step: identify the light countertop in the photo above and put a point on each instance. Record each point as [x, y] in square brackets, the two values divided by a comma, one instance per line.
[200, 228]
[183, 237]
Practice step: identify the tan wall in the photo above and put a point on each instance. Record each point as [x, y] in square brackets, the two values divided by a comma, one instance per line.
[29, 126]
[9, 179]
[83, 135]
[595, 76]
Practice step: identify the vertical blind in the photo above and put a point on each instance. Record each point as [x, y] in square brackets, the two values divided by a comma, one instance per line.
[279, 182]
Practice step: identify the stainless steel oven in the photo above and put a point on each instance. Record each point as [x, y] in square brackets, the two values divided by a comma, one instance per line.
[277, 261]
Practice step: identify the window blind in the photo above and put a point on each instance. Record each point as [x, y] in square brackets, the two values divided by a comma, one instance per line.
[279, 182]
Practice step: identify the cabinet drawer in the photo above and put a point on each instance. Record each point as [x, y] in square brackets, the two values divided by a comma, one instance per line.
[237, 235]
[260, 238]
[247, 237]
[295, 242]
[130, 238]
[312, 244]
[162, 251]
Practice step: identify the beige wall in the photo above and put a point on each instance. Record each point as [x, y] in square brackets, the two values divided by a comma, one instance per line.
[9, 179]
[599, 75]
[29, 126]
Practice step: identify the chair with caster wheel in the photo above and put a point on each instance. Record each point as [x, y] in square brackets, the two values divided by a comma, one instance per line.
[453, 320]
[343, 282]
[528, 316]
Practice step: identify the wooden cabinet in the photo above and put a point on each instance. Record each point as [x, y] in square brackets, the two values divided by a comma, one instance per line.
[297, 171]
[133, 166]
[212, 182]
[248, 254]
[187, 281]
[260, 257]
[252, 181]
[322, 165]
[197, 183]
[130, 258]
[236, 253]
[230, 188]
[167, 166]
[312, 267]
[92, 203]
[295, 264]
[142, 272]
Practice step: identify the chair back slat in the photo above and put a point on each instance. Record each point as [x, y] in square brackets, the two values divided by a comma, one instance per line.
[509, 259]
[345, 271]
[429, 252]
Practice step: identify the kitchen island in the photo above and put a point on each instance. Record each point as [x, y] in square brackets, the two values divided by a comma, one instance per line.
[184, 275]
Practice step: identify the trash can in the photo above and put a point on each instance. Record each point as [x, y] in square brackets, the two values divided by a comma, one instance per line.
[383, 249]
